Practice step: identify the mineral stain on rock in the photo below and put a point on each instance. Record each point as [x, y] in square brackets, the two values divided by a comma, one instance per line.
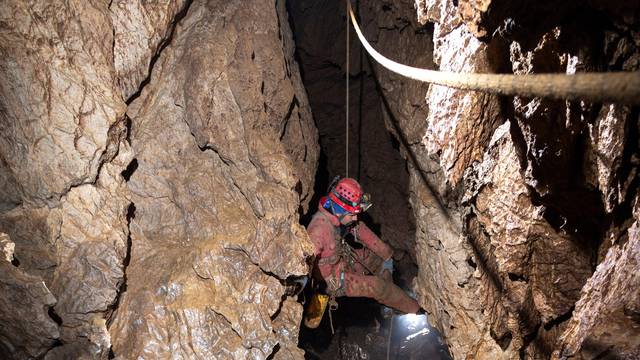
[158, 162]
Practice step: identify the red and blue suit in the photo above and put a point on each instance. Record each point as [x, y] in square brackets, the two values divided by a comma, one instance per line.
[354, 272]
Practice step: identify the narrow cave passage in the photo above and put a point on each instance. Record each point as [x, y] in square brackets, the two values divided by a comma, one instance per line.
[375, 160]
[158, 161]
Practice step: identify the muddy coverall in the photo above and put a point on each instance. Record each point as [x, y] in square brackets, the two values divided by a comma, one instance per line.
[345, 277]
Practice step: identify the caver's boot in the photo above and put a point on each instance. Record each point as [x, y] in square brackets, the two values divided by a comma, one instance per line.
[392, 296]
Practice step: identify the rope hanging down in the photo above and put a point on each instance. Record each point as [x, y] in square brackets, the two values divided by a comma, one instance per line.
[621, 87]
[346, 152]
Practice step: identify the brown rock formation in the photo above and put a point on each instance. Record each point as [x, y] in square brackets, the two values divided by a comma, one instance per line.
[208, 167]
[155, 159]
[217, 142]
[28, 331]
[546, 199]
[606, 317]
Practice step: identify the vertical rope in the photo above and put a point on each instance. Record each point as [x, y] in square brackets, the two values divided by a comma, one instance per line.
[389, 338]
[347, 97]
[360, 95]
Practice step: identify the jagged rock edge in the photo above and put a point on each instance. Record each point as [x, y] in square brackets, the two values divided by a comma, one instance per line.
[164, 43]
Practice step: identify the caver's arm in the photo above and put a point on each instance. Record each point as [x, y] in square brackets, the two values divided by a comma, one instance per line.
[373, 242]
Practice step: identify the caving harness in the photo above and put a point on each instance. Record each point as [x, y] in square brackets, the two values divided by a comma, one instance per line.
[344, 237]
[345, 197]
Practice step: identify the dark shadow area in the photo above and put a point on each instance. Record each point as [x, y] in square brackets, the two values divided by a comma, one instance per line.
[320, 187]
[54, 316]
[130, 169]
[410, 153]
[362, 332]
[375, 160]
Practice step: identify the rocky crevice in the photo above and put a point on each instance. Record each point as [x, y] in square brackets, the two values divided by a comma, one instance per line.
[320, 40]
[540, 227]
[163, 43]
[522, 230]
[122, 287]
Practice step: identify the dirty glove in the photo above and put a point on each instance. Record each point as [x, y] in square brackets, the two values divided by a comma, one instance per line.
[388, 265]
[295, 285]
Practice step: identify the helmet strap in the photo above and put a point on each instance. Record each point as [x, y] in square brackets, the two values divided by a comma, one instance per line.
[333, 211]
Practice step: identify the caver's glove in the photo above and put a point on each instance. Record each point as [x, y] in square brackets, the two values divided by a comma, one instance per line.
[388, 265]
[295, 285]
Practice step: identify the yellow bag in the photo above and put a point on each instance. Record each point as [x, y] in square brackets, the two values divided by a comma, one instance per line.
[315, 310]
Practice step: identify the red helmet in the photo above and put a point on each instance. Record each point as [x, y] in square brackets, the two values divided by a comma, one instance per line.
[348, 194]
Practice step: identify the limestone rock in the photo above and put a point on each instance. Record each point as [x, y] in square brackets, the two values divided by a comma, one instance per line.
[27, 330]
[139, 28]
[531, 257]
[59, 98]
[91, 247]
[543, 196]
[225, 151]
[78, 249]
[607, 316]
[65, 160]
[63, 151]
[34, 240]
[472, 12]
[605, 156]
[460, 123]
[8, 247]
[287, 327]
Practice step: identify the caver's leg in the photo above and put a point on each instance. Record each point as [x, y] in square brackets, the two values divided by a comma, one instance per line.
[383, 291]
[367, 261]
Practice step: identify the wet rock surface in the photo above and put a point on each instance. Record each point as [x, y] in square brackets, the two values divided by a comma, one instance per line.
[140, 29]
[605, 321]
[225, 147]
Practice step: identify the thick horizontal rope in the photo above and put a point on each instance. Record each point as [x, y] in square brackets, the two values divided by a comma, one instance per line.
[623, 87]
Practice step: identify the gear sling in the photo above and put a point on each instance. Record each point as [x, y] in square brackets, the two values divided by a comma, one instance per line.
[335, 284]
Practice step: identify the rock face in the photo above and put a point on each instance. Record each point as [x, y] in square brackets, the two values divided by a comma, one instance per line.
[543, 189]
[606, 317]
[139, 137]
[225, 149]
[24, 336]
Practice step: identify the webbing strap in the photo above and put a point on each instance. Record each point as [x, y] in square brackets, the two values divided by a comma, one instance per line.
[621, 87]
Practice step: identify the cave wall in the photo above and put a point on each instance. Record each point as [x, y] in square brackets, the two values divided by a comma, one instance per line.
[154, 162]
[543, 190]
